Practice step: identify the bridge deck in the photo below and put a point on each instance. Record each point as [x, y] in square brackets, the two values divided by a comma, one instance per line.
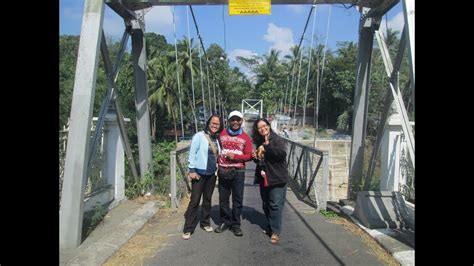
[306, 239]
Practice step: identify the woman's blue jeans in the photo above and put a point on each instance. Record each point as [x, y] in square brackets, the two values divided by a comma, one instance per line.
[273, 201]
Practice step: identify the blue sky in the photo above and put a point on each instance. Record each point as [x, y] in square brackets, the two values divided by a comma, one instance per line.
[244, 35]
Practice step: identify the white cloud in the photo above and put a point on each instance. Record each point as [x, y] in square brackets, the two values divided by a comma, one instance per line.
[240, 52]
[160, 20]
[244, 53]
[281, 38]
[298, 9]
[396, 23]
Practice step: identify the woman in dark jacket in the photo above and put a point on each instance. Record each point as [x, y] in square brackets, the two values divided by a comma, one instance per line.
[271, 173]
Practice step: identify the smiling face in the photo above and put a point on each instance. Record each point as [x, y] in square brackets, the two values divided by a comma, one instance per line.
[263, 128]
[214, 125]
[235, 122]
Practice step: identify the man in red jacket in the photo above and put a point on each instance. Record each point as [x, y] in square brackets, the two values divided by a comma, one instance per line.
[236, 150]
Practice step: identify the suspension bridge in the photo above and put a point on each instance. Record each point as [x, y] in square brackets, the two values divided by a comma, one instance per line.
[316, 184]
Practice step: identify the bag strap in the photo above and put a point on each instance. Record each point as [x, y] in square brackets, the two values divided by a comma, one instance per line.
[213, 146]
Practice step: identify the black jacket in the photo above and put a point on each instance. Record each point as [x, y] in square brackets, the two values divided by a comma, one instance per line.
[274, 162]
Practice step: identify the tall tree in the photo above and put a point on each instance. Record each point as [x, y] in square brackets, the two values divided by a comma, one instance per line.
[68, 46]
[340, 79]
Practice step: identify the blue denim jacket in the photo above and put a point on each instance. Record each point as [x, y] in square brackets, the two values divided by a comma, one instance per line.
[198, 153]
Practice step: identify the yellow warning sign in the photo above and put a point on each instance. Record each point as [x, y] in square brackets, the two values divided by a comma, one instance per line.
[249, 7]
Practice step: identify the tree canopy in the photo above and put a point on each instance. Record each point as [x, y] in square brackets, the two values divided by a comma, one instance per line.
[212, 83]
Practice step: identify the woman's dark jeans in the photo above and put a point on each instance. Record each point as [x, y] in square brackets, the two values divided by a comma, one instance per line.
[273, 201]
[204, 186]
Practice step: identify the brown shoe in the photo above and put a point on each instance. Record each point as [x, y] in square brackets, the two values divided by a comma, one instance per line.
[275, 238]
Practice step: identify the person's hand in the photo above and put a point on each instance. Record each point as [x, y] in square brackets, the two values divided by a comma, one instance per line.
[266, 142]
[229, 156]
[254, 154]
[194, 176]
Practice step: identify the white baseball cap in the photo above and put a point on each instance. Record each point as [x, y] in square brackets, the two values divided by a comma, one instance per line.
[235, 113]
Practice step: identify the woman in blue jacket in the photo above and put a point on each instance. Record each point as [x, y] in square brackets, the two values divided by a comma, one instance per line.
[202, 164]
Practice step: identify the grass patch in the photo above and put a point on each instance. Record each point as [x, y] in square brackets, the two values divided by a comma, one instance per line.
[328, 213]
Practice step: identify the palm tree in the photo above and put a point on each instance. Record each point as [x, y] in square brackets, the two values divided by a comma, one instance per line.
[392, 41]
[155, 79]
[163, 84]
[188, 69]
[269, 80]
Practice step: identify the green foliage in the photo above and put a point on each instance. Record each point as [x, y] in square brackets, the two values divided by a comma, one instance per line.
[139, 188]
[68, 46]
[374, 184]
[238, 88]
[161, 166]
[92, 219]
[99, 213]
[334, 85]
[328, 213]
[375, 181]
[307, 135]
[156, 45]
[343, 122]
[157, 180]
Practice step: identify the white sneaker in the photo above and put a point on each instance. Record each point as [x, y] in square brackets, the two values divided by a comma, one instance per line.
[208, 229]
[186, 236]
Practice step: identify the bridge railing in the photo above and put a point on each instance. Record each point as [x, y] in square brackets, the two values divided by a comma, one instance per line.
[406, 177]
[308, 168]
[179, 183]
[96, 181]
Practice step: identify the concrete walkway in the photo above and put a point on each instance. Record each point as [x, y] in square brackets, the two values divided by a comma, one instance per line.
[118, 226]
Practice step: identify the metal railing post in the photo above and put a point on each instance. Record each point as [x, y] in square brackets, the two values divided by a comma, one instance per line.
[325, 183]
[174, 200]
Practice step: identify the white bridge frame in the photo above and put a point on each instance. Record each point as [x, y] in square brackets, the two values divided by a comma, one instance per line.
[245, 103]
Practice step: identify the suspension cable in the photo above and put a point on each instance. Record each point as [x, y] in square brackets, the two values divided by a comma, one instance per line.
[223, 22]
[191, 70]
[214, 92]
[291, 87]
[202, 82]
[298, 86]
[297, 53]
[225, 49]
[322, 68]
[209, 67]
[282, 109]
[209, 88]
[177, 76]
[309, 67]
